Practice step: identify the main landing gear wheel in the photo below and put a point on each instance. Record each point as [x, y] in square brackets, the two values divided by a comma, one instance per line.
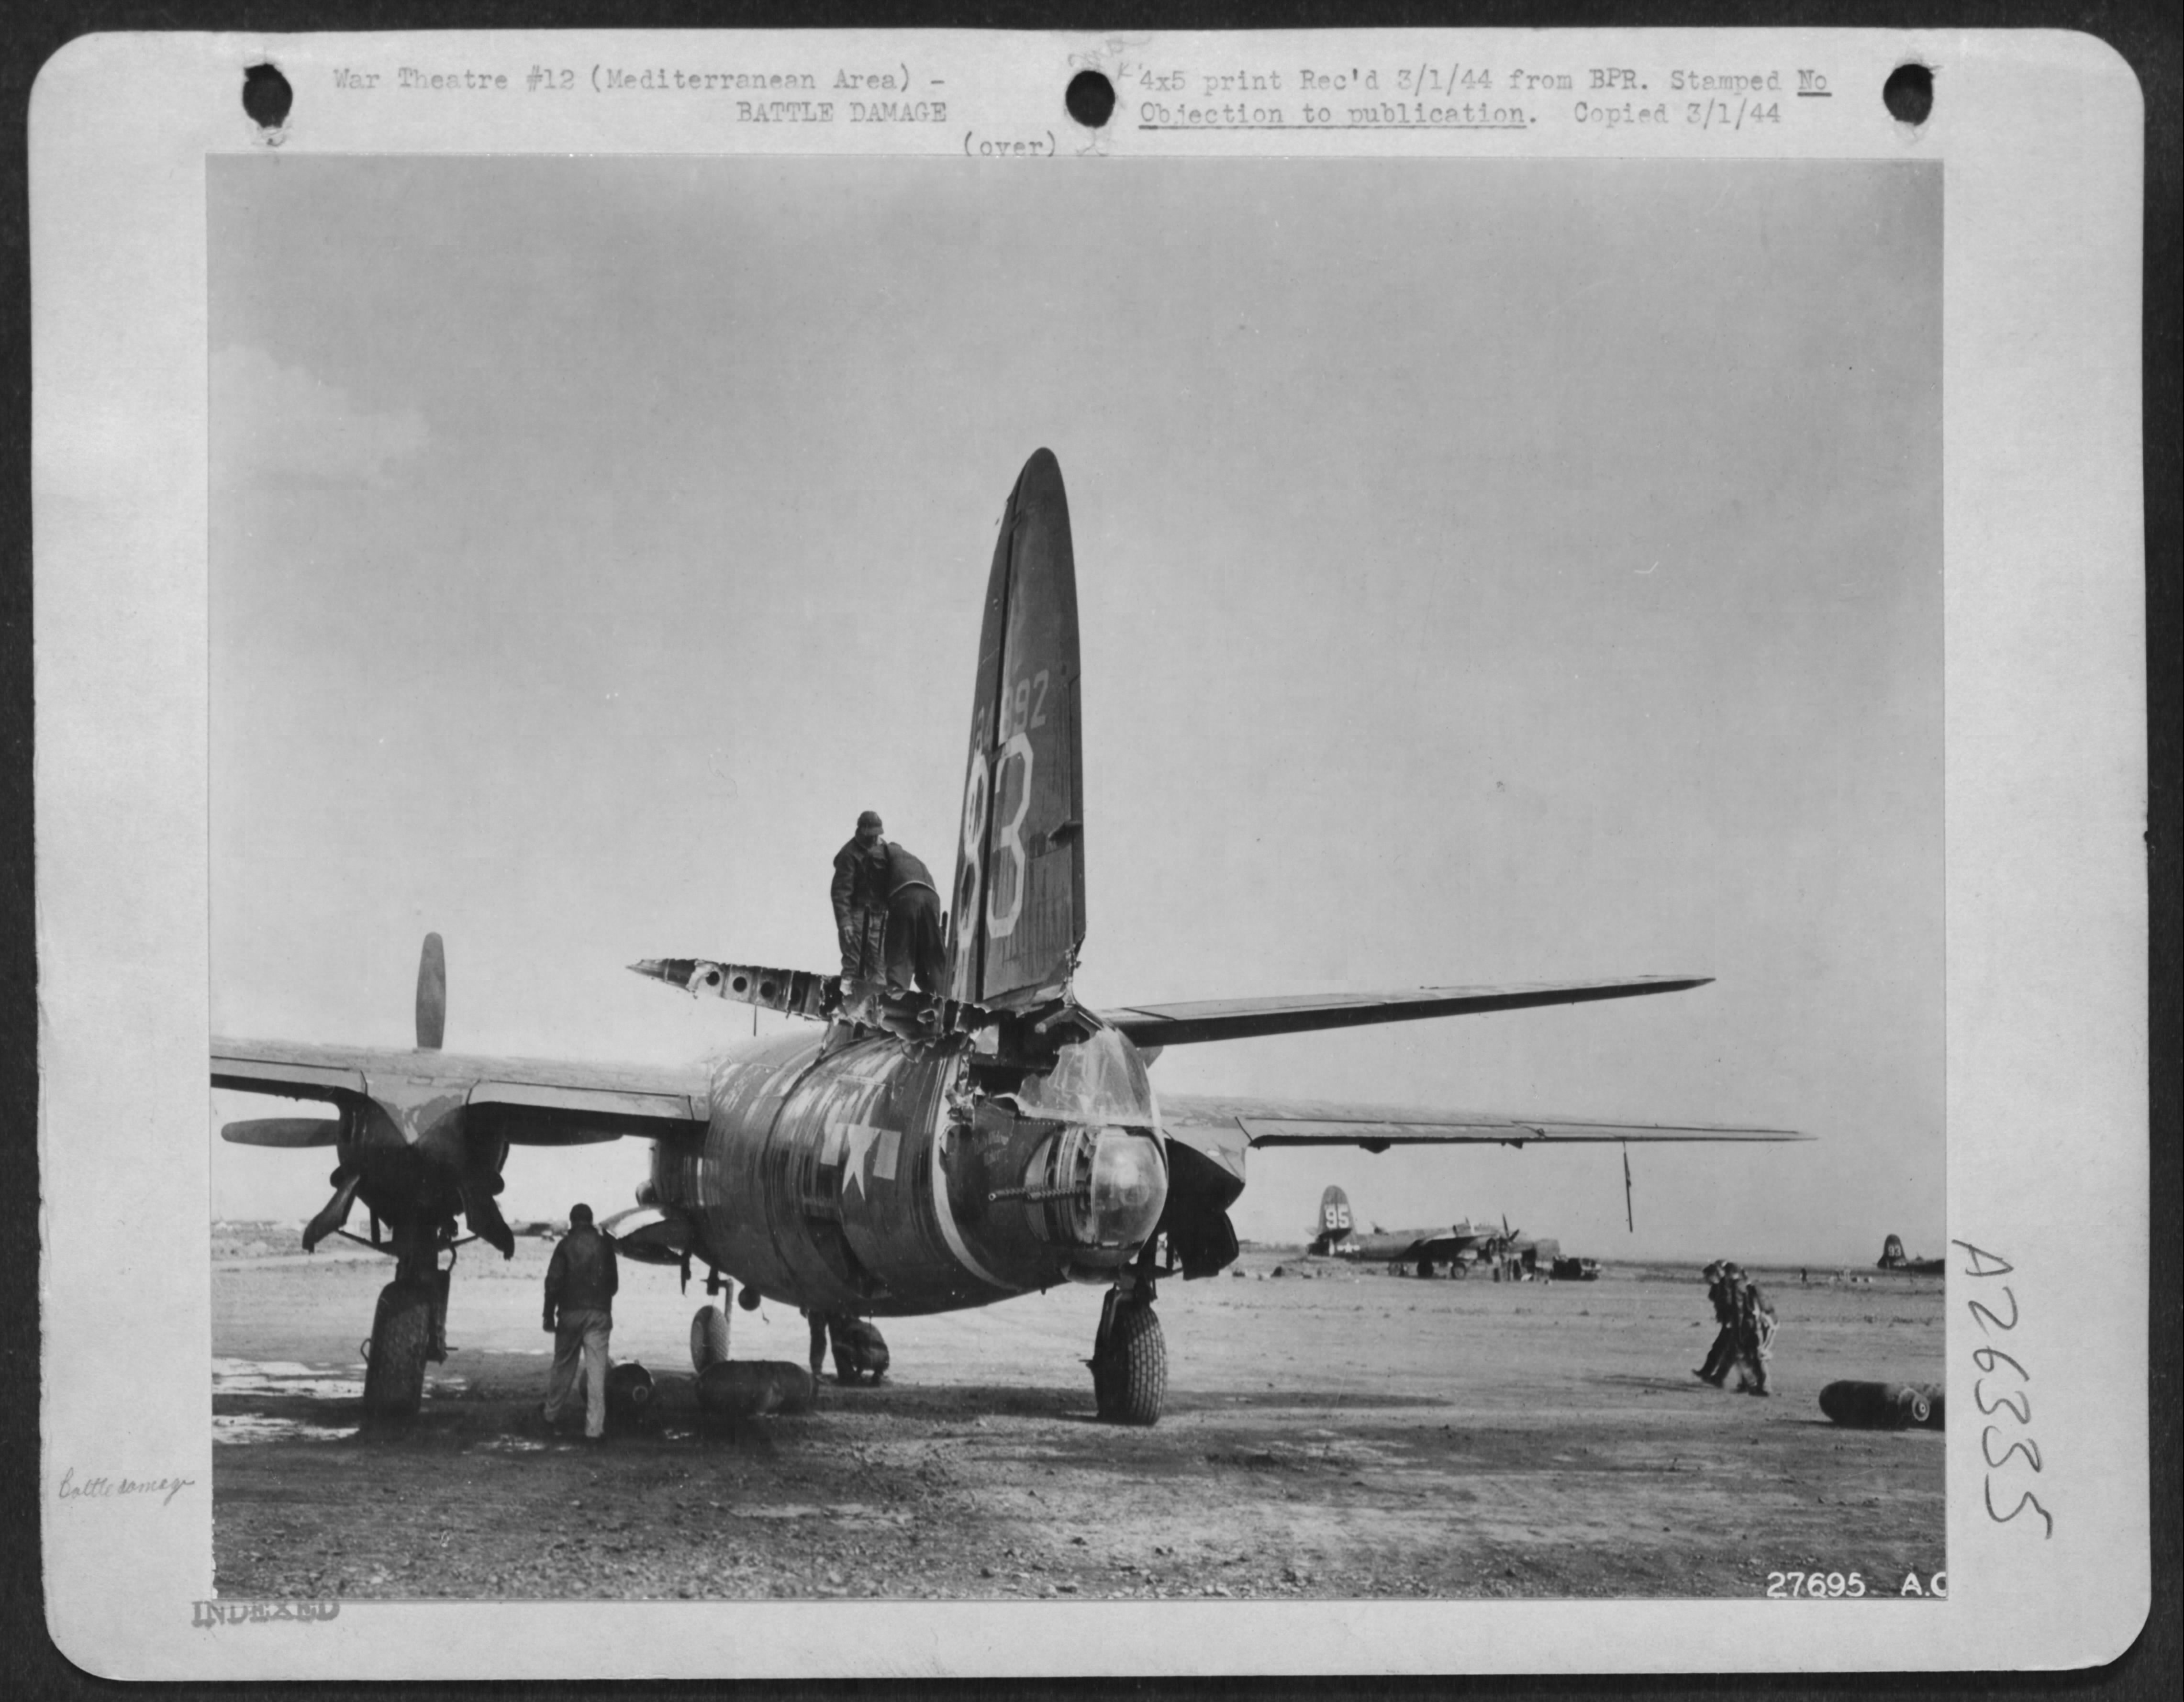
[401, 1340]
[1130, 1363]
[709, 1337]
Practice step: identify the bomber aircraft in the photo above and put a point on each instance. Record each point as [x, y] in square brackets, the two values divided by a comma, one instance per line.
[1455, 1247]
[906, 1153]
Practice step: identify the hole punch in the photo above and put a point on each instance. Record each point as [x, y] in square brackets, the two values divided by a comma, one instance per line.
[1909, 93]
[266, 96]
[1090, 99]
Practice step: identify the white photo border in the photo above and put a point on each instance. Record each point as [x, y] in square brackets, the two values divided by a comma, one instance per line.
[2040, 136]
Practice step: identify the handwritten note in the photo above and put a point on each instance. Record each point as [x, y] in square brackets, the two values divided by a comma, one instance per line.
[101, 1487]
[2010, 1398]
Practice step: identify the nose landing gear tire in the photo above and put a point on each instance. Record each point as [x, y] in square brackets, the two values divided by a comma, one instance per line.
[1129, 1365]
[401, 1339]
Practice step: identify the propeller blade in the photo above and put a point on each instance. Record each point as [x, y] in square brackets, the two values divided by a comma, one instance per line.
[334, 1214]
[483, 1215]
[283, 1132]
[1629, 1222]
[431, 995]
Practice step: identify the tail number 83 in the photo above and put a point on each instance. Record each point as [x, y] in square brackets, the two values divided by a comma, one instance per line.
[1011, 876]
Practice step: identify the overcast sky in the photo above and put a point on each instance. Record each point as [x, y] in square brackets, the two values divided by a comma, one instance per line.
[1489, 572]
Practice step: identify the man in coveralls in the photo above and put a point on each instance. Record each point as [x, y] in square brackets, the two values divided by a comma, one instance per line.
[580, 1290]
[860, 900]
[914, 948]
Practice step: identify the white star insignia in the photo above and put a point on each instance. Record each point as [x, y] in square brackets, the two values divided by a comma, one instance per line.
[861, 1137]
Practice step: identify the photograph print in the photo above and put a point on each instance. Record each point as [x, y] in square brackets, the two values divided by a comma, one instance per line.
[1153, 879]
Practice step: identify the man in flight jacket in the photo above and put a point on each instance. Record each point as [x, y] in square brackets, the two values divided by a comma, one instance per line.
[580, 1290]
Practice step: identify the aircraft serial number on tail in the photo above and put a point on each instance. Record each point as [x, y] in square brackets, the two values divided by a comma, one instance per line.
[1024, 708]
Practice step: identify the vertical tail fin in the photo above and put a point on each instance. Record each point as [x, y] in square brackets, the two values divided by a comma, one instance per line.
[1334, 1224]
[1016, 906]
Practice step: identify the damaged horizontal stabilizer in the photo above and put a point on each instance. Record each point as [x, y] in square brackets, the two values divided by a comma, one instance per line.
[793, 992]
[820, 997]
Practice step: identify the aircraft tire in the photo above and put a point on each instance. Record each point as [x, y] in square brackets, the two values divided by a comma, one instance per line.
[1885, 1406]
[1103, 1383]
[1131, 1382]
[401, 1339]
[709, 1337]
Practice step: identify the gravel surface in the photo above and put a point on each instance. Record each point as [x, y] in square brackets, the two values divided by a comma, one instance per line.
[1330, 1432]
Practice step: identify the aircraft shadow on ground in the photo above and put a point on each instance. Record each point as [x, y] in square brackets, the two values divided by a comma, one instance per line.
[1074, 1402]
[1290, 1396]
[675, 1414]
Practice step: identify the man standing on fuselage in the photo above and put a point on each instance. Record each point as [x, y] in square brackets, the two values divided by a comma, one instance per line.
[580, 1289]
[860, 901]
[914, 948]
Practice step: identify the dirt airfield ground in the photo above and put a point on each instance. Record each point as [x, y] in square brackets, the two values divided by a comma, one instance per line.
[1344, 1434]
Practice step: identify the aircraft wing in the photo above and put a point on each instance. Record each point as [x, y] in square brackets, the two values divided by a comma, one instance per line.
[525, 1101]
[1223, 1129]
[1317, 1123]
[1245, 1019]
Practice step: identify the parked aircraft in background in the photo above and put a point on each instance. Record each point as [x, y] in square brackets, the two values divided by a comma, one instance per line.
[1454, 1247]
[905, 1153]
[1893, 1257]
[1457, 1248]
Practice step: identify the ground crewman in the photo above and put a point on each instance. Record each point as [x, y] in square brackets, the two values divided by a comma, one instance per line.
[580, 1289]
[1755, 1340]
[1722, 1293]
[859, 893]
[915, 952]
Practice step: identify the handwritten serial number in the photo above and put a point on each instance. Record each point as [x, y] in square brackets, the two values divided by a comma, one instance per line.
[2014, 1403]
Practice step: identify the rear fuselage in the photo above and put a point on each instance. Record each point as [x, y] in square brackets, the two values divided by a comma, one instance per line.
[863, 1180]
[1459, 1244]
